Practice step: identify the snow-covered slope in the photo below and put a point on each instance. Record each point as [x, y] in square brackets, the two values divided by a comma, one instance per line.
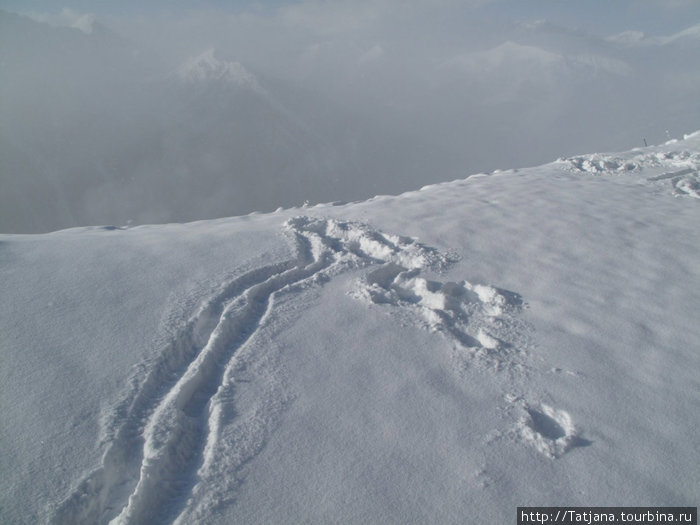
[526, 337]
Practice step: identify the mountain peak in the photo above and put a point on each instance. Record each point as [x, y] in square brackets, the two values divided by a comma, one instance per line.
[206, 67]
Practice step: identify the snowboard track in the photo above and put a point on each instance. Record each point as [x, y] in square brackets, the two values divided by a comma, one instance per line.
[156, 439]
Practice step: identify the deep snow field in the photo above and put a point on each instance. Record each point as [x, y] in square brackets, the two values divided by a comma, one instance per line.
[523, 337]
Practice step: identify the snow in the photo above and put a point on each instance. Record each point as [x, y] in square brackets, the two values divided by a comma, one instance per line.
[523, 337]
[207, 67]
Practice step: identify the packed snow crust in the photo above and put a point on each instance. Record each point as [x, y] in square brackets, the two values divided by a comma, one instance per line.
[525, 337]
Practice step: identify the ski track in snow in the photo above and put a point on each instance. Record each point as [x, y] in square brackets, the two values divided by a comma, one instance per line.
[159, 439]
[683, 168]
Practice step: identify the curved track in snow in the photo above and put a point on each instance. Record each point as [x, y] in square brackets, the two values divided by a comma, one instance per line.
[159, 435]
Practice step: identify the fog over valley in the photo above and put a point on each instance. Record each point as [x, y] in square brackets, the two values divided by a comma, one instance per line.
[204, 114]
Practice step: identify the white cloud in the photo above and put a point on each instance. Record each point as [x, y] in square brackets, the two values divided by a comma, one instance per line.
[671, 4]
[372, 55]
[66, 18]
[345, 16]
[327, 18]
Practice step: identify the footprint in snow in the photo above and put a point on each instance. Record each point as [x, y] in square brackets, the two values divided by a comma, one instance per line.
[551, 431]
[480, 319]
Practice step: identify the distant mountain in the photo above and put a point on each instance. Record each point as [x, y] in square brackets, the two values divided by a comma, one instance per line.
[112, 138]
[96, 129]
[206, 67]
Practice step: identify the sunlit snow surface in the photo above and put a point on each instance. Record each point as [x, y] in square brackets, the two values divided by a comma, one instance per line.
[526, 337]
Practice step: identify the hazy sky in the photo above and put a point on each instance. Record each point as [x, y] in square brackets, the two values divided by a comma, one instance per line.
[354, 98]
[594, 16]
